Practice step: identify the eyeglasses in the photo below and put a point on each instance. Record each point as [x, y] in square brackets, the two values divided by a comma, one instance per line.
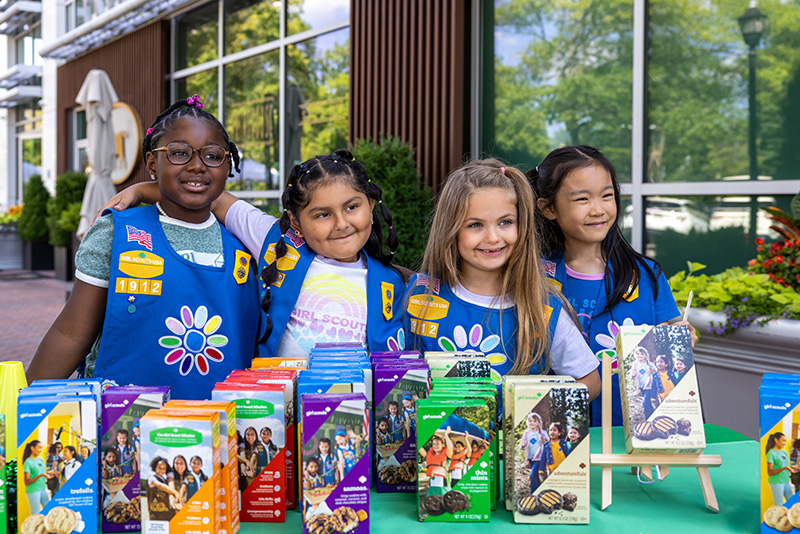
[181, 154]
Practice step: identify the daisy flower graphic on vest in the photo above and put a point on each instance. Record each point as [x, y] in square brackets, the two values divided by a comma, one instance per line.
[195, 343]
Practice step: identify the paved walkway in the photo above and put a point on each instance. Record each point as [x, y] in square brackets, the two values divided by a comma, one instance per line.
[29, 303]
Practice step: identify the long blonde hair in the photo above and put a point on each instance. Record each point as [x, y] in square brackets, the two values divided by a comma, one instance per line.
[522, 278]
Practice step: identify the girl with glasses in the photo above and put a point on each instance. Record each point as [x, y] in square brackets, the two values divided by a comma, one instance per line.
[164, 295]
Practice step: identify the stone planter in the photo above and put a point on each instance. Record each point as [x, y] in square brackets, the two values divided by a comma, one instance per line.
[10, 248]
[729, 368]
[64, 263]
[37, 256]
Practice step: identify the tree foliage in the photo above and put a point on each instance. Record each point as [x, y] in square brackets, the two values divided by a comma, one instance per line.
[61, 222]
[32, 224]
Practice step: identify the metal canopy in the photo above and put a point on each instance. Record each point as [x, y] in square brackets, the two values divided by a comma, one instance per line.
[17, 16]
[18, 74]
[19, 95]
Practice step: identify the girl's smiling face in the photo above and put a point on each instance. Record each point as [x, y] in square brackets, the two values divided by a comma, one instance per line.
[383, 426]
[661, 364]
[341, 440]
[679, 365]
[197, 464]
[312, 468]
[437, 445]
[110, 458]
[392, 409]
[161, 468]
[324, 447]
[337, 221]
[188, 190]
[84, 453]
[573, 434]
[533, 423]
[266, 435]
[640, 355]
[179, 465]
[554, 432]
[250, 436]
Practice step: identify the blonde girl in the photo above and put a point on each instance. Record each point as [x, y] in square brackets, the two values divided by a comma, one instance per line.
[483, 288]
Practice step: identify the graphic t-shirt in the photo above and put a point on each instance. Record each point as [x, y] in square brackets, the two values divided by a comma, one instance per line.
[332, 306]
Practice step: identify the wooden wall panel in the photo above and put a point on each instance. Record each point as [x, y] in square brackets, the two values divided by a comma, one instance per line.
[137, 66]
[409, 78]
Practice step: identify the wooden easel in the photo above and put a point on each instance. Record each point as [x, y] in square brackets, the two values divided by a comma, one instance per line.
[607, 460]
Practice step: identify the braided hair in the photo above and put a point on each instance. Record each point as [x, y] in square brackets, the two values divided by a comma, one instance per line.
[189, 107]
[303, 180]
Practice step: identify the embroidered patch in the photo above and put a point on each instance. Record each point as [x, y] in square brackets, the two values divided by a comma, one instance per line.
[387, 297]
[241, 266]
[135, 286]
[555, 283]
[195, 343]
[139, 236]
[429, 307]
[632, 293]
[549, 267]
[424, 281]
[286, 262]
[140, 264]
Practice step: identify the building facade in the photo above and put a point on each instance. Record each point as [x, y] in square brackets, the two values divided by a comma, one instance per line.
[699, 124]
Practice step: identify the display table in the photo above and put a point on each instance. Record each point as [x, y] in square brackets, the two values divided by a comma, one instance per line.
[672, 505]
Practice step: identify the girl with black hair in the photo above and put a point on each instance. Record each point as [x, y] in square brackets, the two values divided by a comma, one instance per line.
[149, 279]
[607, 282]
[326, 275]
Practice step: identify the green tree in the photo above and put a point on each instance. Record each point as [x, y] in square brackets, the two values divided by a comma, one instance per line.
[32, 224]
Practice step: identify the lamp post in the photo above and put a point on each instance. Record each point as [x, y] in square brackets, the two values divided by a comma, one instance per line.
[753, 25]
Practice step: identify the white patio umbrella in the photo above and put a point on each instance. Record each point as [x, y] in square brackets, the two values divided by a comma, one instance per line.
[97, 96]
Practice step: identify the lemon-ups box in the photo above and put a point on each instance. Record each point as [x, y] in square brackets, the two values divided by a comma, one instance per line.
[171, 505]
[550, 456]
[262, 466]
[62, 493]
[228, 456]
[661, 407]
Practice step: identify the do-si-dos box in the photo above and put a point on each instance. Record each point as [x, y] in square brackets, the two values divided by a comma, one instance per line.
[62, 495]
[173, 503]
[661, 407]
[550, 454]
[335, 463]
[122, 407]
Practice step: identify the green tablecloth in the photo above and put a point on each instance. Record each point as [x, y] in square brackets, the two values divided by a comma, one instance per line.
[672, 505]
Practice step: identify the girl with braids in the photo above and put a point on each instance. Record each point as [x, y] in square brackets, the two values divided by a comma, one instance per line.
[325, 273]
[607, 282]
[149, 279]
[482, 287]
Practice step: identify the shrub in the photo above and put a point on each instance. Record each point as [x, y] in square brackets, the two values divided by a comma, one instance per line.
[32, 223]
[390, 163]
[69, 190]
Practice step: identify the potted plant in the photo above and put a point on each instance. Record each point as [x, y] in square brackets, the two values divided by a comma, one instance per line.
[10, 242]
[32, 225]
[63, 217]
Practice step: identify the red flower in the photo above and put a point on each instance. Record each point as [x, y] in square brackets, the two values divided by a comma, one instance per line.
[759, 241]
[778, 259]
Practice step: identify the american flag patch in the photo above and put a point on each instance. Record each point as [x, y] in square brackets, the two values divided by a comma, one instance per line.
[296, 240]
[424, 281]
[140, 236]
[550, 267]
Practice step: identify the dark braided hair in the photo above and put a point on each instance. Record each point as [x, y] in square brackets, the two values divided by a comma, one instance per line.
[303, 180]
[625, 262]
[188, 107]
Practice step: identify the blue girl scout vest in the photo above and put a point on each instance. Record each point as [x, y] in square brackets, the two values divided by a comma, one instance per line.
[442, 321]
[385, 291]
[170, 321]
[637, 307]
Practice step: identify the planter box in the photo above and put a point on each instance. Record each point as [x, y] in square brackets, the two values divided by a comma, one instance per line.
[729, 368]
[64, 263]
[10, 249]
[37, 256]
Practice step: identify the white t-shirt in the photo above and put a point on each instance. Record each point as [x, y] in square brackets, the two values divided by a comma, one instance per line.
[332, 305]
[569, 353]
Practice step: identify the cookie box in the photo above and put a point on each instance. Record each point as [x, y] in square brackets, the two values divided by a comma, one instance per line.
[335, 463]
[175, 502]
[447, 489]
[661, 407]
[473, 366]
[62, 496]
[229, 463]
[397, 389]
[549, 460]
[260, 413]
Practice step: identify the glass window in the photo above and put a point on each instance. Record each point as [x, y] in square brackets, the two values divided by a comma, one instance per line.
[197, 40]
[27, 48]
[715, 231]
[558, 73]
[203, 84]
[249, 23]
[699, 93]
[80, 125]
[303, 15]
[251, 119]
[30, 162]
[317, 86]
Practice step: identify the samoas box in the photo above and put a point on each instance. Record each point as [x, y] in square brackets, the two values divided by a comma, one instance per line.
[43, 421]
[122, 407]
[550, 459]
[194, 436]
[442, 497]
[335, 467]
[396, 389]
[661, 408]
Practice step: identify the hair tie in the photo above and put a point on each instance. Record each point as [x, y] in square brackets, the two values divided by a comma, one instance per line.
[194, 101]
[354, 158]
[284, 210]
[290, 185]
[380, 202]
[391, 228]
[149, 131]
[503, 170]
